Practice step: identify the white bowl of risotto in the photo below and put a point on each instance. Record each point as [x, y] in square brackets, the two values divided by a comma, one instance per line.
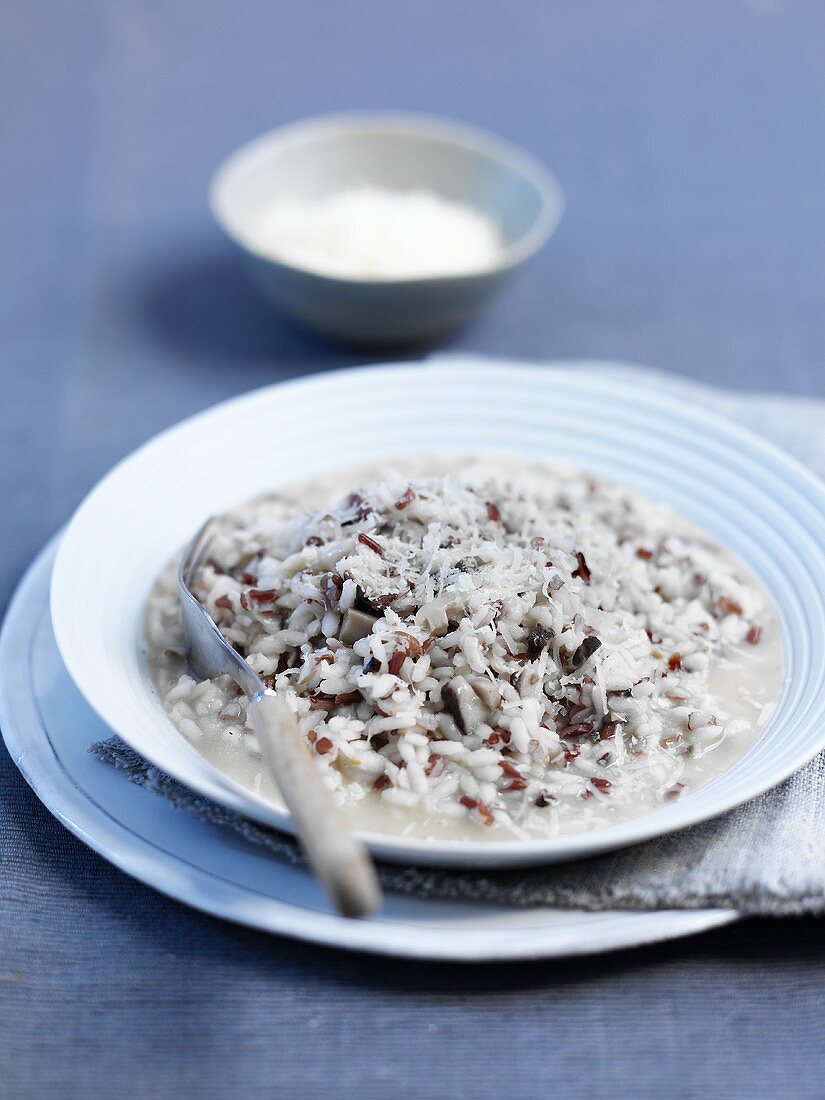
[521, 614]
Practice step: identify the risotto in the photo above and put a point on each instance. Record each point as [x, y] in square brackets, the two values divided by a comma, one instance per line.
[478, 648]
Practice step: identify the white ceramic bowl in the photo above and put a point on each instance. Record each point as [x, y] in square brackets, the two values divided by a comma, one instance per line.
[399, 152]
[751, 496]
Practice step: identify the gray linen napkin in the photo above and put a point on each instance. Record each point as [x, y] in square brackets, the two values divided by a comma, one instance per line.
[766, 857]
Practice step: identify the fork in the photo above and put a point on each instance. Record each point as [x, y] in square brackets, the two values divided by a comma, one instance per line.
[340, 861]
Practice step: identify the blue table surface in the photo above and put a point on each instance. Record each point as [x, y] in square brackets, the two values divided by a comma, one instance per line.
[690, 139]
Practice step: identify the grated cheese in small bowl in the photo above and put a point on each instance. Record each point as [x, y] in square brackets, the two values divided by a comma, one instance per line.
[371, 233]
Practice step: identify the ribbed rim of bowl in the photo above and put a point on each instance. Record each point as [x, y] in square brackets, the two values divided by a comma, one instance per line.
[743, 480]
[458, 133]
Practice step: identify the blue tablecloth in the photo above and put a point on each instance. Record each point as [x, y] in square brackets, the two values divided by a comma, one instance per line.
[691, 141]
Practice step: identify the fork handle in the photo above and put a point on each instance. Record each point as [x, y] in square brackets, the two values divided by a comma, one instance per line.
[341, 862]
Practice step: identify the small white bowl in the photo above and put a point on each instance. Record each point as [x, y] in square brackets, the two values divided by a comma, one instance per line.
[399, 152]
[749, 495]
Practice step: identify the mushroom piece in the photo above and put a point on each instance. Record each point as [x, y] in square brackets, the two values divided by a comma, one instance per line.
[538, 640]
[487, 692]
[361, 603]
[435, 615]
[585, 651]
[463, 704]
[355, 625]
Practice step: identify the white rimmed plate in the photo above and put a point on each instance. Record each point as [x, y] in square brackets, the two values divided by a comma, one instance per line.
[48, 727]
[748, 494]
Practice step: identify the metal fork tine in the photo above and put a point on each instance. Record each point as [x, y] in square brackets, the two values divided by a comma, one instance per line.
[195, 553]
[200, 557]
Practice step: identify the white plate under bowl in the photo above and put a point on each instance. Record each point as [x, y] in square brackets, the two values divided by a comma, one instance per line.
[749, 495]
[48, 728]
